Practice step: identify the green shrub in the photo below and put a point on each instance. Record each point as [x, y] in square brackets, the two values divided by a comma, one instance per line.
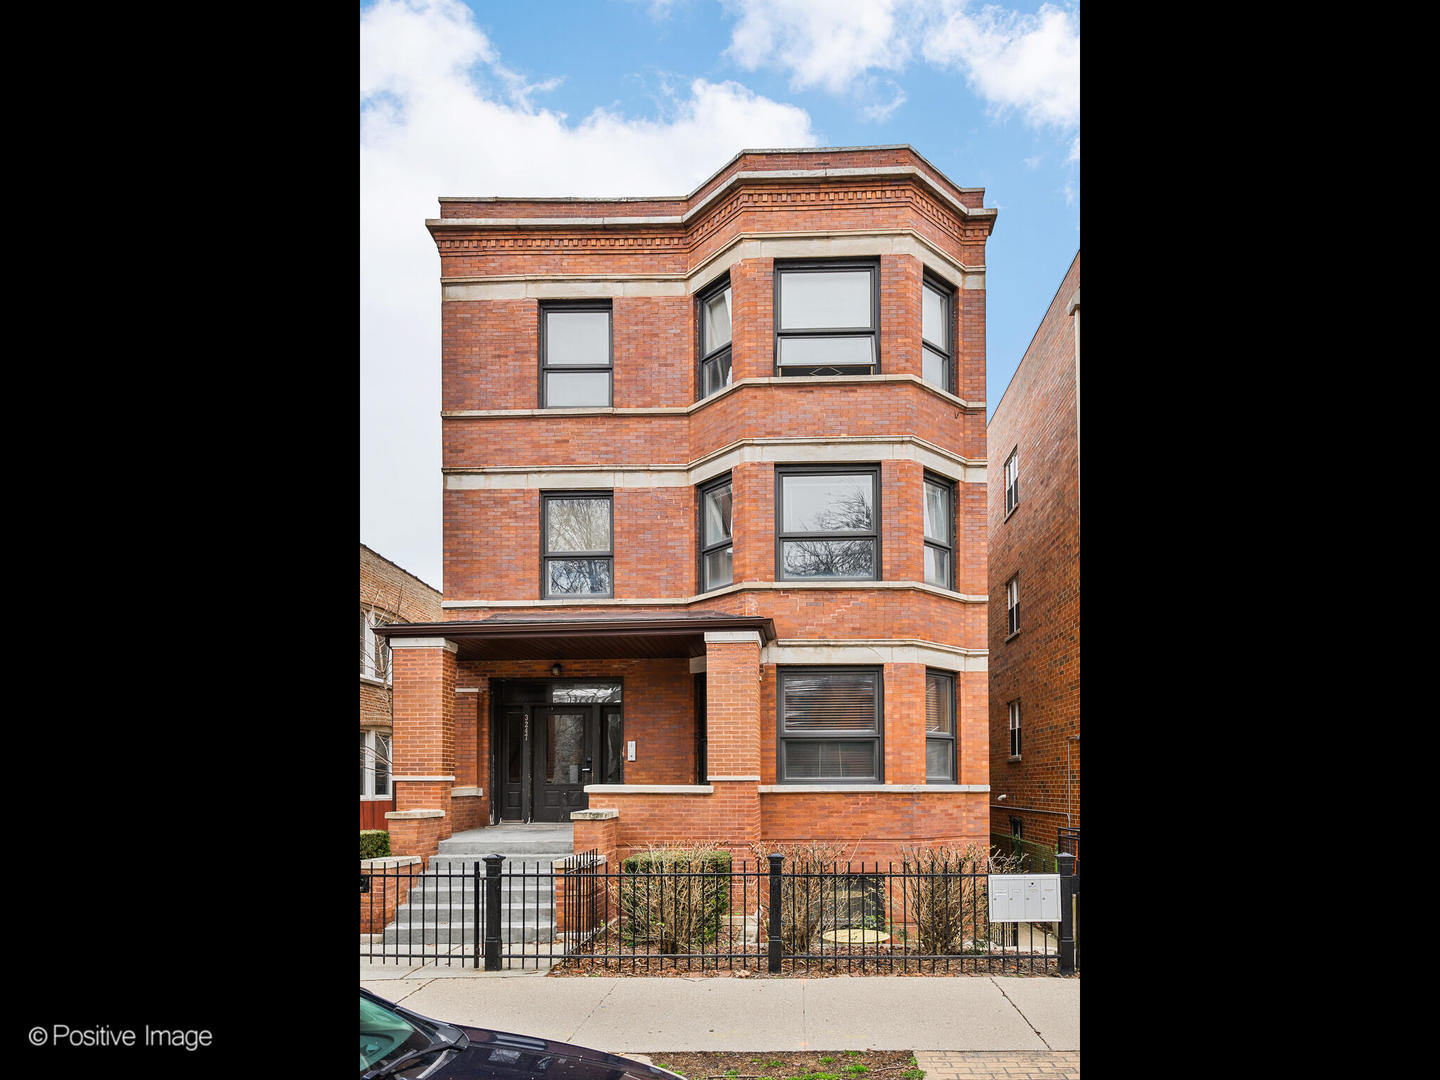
[374, 843]
[673, 898]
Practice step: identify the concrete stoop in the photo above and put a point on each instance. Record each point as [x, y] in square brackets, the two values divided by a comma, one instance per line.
[441, 908]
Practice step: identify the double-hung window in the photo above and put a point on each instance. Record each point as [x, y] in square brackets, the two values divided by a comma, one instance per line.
[829, 724]
[717, 546]
[1012, 481]
[829, 522]
[374, 651]
[374, 765]
[1015, 728]
[576, 351]
[939, 532]
[937, 329]
[826, 318]
[715, 338]
[577, 548]
[939, 727]
[1012, 606]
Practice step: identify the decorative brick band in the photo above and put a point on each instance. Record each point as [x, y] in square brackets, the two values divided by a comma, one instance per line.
[655, 601]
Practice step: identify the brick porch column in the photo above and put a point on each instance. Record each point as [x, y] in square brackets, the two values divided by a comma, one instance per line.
[423, 682]
[732, 716]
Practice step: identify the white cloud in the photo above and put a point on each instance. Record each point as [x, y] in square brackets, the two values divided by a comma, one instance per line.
[825, 43]
[1014, 61]
[441, 115]
[880, 112]
[1025, 62]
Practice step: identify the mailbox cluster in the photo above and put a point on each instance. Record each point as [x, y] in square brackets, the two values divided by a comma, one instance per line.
[1024, 897]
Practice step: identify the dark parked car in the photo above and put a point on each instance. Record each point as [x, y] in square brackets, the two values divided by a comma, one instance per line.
[397, 1042]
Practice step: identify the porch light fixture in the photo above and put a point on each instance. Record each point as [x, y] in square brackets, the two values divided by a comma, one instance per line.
[555, 670]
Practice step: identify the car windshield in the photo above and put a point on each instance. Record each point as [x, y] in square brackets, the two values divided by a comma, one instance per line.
[384, 1034]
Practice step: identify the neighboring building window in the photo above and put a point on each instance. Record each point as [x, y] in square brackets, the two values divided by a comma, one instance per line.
[1017, 829]
[937, 329]
[939, 727]
[575, 354]
[715, 338]
[826, 319]
[829, 722]
[578, 554]
[1015, 728]
[374, 651]
[717, 549]
[1012, 481]
[1012, 605]
[828, 523]
[939, 532]
[374, 764]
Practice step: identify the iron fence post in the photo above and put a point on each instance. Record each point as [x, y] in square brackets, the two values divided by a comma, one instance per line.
[492, 911]
[775, 861]
[475, 903]
[1067, 915]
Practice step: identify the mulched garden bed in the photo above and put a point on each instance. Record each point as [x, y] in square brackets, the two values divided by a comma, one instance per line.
[791, 1064]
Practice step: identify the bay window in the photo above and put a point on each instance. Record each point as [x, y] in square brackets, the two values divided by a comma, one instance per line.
[826, 318]
[829, 525]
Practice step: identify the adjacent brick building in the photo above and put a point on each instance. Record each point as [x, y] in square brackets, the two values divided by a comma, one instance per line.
[1035, 582]
[714, 514]
[388, 594]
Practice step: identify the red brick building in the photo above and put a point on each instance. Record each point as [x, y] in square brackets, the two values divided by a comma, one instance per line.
[1035, 582]
[388, 594]
[714, 514]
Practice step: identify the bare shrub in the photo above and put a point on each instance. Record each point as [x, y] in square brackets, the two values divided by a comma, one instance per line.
[671, 897]
[808, 891]
[947, 897]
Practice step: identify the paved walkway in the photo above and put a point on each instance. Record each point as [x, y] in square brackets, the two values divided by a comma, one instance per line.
[646, 1015]
[1012, 1065]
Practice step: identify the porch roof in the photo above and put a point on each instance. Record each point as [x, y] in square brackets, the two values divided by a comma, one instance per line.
[582, 637]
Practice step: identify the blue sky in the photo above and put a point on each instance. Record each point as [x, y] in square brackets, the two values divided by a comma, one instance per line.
[649, 97]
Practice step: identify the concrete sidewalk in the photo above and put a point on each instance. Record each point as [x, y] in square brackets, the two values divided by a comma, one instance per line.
[647, 1015]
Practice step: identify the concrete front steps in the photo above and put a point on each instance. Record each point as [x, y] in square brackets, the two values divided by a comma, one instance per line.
[441, 906]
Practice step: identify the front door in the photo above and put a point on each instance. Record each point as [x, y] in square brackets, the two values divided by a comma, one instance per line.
[566, 742]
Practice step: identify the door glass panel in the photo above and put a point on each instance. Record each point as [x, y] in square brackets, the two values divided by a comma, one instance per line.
[514, 749]
[584, 693]
[564, 747]
[614, 749]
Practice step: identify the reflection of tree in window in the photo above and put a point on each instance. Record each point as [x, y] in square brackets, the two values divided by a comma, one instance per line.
[847, 507]
[581, 526]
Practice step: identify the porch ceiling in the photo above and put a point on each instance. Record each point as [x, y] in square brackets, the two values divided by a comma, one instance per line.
[550, 637]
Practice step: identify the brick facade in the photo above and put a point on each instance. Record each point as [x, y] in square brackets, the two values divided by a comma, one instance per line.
[388, 594]
[1040, 541]
[500, 259]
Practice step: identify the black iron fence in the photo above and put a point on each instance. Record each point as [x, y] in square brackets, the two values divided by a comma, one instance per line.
[585, 912]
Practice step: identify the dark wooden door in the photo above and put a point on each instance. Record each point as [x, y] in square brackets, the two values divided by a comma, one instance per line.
[565, 741]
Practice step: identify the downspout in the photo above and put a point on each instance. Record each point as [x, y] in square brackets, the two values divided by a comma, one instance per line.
[1073, 310]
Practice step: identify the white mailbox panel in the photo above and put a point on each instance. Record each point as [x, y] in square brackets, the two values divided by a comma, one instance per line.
[1024, 897]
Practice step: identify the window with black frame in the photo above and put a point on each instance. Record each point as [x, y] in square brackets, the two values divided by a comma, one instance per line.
[1015, 728]
[577, 547]
[826, 318]
[575, 354]
[829, 526]
[1012, 606]
[939, 727]
[717, 550]
[937, 330]
[939, 532]
[829, 724]
[1012, 481]
[715, 370]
